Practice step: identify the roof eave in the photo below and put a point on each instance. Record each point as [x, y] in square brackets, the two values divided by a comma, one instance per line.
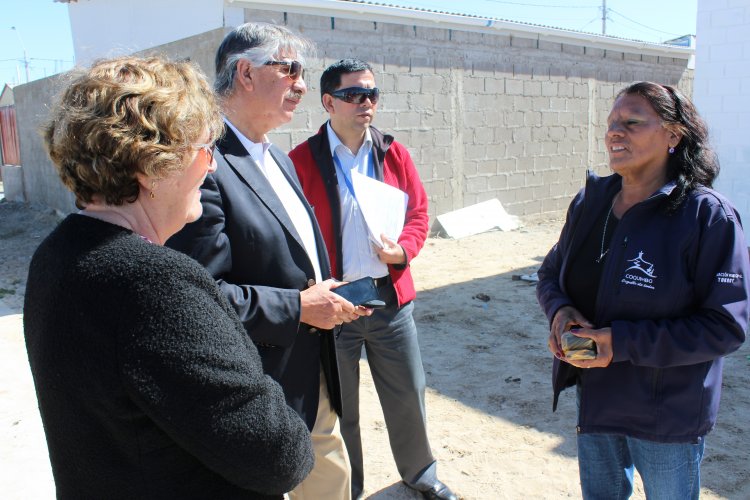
[418, 17]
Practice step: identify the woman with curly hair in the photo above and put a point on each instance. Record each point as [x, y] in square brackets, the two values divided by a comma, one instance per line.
[148, 385]
[646, 291]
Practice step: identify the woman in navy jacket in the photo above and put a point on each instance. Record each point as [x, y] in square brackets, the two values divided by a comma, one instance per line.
[651, 265]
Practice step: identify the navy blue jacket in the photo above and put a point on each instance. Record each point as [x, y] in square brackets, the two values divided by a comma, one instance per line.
[674, 290]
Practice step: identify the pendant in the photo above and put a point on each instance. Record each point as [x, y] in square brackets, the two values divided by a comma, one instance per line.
[601, 257]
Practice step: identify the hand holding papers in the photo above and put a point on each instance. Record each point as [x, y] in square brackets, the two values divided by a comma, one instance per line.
[391, 252]
[383, 207]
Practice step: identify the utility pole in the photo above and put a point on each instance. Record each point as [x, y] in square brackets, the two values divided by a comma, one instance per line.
[604, 17]
[25, 59]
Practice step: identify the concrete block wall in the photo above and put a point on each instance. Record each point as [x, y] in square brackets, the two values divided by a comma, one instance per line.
[39, 180]
[722, 92]
[483, 115]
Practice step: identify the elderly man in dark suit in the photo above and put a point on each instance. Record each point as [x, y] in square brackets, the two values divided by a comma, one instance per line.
[259, 238]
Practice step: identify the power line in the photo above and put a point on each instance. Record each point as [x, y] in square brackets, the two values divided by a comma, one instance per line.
[546, 5]
[597, 18]
[639, 24]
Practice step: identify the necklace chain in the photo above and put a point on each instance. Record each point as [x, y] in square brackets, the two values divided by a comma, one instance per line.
[602, 251]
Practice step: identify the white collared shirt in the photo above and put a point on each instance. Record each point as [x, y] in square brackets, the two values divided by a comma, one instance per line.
[358, 254]
[286, 193]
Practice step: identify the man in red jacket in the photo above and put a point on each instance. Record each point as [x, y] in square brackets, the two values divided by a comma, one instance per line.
[344, 147]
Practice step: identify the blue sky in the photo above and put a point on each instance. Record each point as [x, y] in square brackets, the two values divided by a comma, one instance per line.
[42, 29]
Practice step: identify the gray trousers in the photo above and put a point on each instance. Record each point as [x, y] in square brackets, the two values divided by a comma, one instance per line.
[389, 337]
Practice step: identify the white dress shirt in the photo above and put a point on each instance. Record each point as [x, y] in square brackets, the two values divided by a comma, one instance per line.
[286, 193]
[358, 253]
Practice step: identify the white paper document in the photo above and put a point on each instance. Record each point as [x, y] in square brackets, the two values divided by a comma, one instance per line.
[383, 207]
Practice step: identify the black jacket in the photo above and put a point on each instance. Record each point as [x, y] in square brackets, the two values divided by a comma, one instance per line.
[249, 244]
[148, 386]
[674, 290]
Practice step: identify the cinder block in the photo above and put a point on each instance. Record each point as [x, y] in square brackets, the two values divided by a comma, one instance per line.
[578, 50]
[483, 135]
[630, 56]
[435, 154]
[550, 148]
[523, 43]
[386, 120]
[449, 170]
[422, 101]
[474, 118]
[539, 134]
[525, 163]
[532, 88]
[514, 150]
[532, 118]
[12, 176]
[394, 101]
[432, 34]
[513, 86]
[557, 134]
[540, 103]
[550, 118]
[550, 46]
[473, 84]
[495, 150]
[475, 151]
[408, 82]
[407, 119]
[507, 165]
[594, 52]
[497, 182]
[494, 85]
[523, 134]
[476, 184]
[557, 103]
[550, 89]
[488, 166]
[421, 137]
[531, 149]
[432, 84]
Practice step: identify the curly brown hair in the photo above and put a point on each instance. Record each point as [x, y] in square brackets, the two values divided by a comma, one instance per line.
[128, 116]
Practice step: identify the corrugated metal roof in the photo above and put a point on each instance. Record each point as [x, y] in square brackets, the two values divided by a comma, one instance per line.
[491, 19]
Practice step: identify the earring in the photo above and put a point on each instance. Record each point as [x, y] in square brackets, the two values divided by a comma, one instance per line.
[153, 186]
[671, 150]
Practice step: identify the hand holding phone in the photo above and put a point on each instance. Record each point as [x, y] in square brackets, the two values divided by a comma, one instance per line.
[361, 292]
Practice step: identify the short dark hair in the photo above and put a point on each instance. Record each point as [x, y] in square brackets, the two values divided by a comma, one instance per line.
[258, 43]
[331, 77]
[693, 162]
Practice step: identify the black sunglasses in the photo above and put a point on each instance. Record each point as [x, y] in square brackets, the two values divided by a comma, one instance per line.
[357, 95]
[293, 68]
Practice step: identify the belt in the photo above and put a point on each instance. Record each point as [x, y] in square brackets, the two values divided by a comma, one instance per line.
[381, 282]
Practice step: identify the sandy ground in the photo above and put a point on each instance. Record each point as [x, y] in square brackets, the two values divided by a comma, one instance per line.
[488, 375]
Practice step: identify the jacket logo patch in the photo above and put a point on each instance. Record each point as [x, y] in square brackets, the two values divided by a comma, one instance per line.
[728, 277]
[640, 273]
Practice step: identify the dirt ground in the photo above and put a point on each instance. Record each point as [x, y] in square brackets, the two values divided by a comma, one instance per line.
[483, 341]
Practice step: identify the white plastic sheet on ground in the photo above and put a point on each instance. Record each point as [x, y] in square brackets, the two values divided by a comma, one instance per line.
[479, 218]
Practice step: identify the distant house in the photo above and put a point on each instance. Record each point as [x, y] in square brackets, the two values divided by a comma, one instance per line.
[9, 148]
[489, 108]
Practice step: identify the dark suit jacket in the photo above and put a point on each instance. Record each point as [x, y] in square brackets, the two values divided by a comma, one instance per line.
[249, 244]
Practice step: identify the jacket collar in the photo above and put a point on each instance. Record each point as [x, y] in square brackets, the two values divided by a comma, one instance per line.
[247, 169]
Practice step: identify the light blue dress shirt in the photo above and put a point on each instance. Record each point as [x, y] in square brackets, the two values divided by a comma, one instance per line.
[359, 256]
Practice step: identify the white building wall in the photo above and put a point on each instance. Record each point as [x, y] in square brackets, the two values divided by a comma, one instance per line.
[722, 93]
[135, 25]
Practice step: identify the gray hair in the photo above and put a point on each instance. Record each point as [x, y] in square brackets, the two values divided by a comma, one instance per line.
[257, 43]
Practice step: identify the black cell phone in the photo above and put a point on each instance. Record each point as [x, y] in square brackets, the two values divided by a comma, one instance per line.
[361, 292]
